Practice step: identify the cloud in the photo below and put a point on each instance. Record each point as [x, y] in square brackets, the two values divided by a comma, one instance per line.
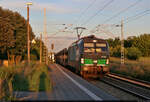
[80, 0]
[64, 37]
[51, 7]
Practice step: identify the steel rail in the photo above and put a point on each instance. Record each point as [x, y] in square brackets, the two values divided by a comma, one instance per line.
[125, 89]
[130, 80]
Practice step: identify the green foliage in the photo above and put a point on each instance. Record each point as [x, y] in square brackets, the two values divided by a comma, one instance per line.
[40, 80]
[116, 51]
[20, 83]
[35, 48]
[129, 42]
[141, 42]
[22, 77]
[13, 33]
[6, 35]
[114, 43]
[13, 37]
[133, 53]
[6, 77]
[34, 77]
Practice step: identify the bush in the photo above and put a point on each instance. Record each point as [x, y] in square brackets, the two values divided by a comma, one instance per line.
[116, 51]
[6, 77]
[133, 53]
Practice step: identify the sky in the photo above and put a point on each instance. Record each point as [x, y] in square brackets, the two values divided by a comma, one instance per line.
[84, 13]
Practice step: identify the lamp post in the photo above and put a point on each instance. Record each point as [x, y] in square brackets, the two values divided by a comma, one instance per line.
[28, 31]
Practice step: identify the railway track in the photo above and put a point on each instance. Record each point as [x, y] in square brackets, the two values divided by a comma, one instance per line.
[137, 88]
[138, 82]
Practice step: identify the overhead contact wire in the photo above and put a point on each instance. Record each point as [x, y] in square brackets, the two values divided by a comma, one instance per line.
[90, 5]
[106, 5]
[122, 11]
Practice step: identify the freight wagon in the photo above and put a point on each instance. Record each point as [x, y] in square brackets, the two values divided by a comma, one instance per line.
[61, 57]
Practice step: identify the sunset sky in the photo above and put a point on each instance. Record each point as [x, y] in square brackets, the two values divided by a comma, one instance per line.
[86, 13]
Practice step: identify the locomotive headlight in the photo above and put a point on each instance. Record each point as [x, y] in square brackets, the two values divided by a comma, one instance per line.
[103, 56]
[82, 60]
[107, 61]
[85, 69]
[95, 41]
[95, 61]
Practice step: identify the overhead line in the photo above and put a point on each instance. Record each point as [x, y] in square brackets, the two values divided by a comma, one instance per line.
[107, 4]
[122, 11]
[137, 14]
[143, 13]
[137, 17]
[83, 12]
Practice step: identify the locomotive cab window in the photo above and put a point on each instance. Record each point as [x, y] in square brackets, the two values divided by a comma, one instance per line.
[98, 50]
[101, 47]
[88, 44]
[100, 44]
[89, 47]
[89, 50]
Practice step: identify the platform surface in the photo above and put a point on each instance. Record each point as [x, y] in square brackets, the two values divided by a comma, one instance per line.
[67, 86]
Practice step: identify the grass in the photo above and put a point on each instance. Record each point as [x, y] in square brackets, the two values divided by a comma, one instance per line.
[30, 79]
[139, 69]
[22, 77]
[6, 77]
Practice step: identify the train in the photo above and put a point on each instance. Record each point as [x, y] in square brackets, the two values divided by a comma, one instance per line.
[88, 57]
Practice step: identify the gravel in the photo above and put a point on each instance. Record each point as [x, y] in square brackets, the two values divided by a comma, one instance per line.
[120, 94]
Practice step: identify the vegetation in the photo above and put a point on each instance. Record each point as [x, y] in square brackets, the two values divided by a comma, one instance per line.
[135, 47]
[19, 76]
[133, 53]
[34, 77]
[13, 34]
[137, 56]
[13, 38]
[136, 69]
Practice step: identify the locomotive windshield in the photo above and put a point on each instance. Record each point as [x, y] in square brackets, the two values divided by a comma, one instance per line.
[89, 47]
[95, 47]
[101, 47]
[89, 50]
[88, 44]
[100, 44]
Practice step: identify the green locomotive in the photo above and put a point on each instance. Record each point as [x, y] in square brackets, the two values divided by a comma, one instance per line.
[89, 56]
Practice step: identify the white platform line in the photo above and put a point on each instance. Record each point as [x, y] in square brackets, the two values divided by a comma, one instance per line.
[92, 95]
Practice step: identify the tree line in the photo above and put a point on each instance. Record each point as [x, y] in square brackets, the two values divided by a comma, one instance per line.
[135, 46]
[13, 37]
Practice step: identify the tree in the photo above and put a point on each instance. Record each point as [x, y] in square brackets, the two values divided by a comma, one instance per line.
[110, 42]
[133, 53]
[143, 44]
[17, 26]
[129, 41]
[7, 40]
[114, 43]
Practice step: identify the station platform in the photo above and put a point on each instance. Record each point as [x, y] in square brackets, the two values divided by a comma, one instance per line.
[68, 86]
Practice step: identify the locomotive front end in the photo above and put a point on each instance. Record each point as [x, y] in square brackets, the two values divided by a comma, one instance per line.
[95, 59]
